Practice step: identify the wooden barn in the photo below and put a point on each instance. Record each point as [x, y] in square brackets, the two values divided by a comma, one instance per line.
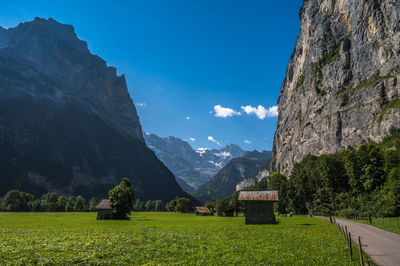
[203, 211]
[259, 206]
[104, 210]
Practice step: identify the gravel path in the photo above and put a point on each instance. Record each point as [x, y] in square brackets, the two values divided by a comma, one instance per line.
[380, 245]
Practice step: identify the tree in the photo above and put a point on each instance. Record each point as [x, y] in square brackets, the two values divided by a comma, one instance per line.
[93, 203]
[372, 170]
[121, 198]
[80, 204]
[137, 205]
[277, 181]
[211, 206]
[69, 206]
[28, 198]
[303, 185]
[36, 205]
[49, 202]
[142, 206]
[234, 202]
[172, 204]
[13, 201]
[61, 203]
[159, 206]
[148, 206]
[183, 205]
[223, 207]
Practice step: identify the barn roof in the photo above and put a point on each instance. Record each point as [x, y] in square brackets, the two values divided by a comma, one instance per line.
[104, 205]
[201, 209]
[271, 195]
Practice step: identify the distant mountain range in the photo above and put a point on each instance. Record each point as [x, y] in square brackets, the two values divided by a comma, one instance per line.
[225, 181]
[67, 122]
[192, 168]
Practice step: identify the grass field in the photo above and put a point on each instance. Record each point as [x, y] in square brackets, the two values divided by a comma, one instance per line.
[166, 238]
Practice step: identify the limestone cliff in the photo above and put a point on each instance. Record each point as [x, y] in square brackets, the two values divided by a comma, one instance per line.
[341, 86]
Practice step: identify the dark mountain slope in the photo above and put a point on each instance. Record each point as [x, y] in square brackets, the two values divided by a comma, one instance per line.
[225, 181]
[67, 123]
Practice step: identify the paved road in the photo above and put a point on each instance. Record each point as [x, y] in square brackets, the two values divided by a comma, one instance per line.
[380, 245]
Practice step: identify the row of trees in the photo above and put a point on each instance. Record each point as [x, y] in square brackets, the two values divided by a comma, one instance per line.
[178, 204]
[227, 206]
[16, 200]
[149, 206]
[358, 182]
[121, 197]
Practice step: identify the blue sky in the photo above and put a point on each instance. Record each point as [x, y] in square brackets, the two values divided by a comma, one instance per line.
[188, 63]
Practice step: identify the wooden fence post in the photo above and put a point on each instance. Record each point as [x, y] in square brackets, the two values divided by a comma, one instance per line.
[360, 249]
[350, 247]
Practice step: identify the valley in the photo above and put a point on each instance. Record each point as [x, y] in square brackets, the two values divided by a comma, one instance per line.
[161, 132]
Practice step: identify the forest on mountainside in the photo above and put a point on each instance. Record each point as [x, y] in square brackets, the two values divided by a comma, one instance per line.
[358, 182]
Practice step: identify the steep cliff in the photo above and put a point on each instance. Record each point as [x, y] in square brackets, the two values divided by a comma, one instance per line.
[341, 86]
[67, 122]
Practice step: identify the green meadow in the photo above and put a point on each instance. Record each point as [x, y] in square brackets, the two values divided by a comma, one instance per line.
[167, 238]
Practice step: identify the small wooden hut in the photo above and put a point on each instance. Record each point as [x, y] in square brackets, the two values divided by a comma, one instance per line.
[259, 206]
[104, 210]
[200, 210]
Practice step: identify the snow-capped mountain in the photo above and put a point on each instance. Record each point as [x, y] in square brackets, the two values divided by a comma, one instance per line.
[219, 158]
[192, 168]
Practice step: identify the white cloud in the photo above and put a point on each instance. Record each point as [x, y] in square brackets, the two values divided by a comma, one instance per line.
[192, 139]
[210, 138]
[188, 118]
[261, 112]
[224, 112]
[224, 154]
[247, 141]
[141, 104]
[201, 151]
[273, 110]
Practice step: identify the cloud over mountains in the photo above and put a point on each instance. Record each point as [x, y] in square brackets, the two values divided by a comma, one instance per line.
[260, 111]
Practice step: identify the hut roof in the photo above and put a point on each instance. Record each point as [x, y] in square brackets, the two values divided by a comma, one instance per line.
[104, 205]
[271, 195]
[201, 209]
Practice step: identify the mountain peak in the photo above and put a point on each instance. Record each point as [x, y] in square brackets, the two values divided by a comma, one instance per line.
[53, 50]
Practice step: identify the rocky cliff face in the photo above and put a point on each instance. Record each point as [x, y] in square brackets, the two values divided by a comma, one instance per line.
[67, 122]
[46, 48]
[342, 82]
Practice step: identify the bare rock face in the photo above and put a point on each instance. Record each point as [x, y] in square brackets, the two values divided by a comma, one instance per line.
[341, 86]
[53, 50]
